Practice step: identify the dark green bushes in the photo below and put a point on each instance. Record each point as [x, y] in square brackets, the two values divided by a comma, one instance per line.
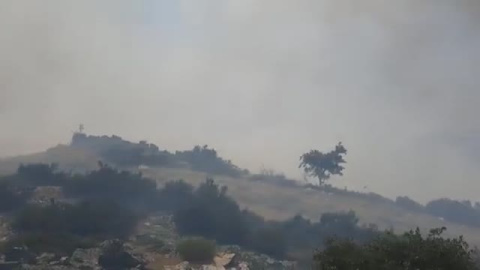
[197, 250]
[212, 214]
[455, 211]
[110, 202]
[209, 212]
[269, 240]
[12, 197]
[98, 219]
[62, 244]
[397, 252]
[109, 184]
[123, 153]
[114, 257]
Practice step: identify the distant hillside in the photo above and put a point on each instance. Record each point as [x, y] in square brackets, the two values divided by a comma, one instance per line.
[123, 153]
[280, 202]
[68, 159]
[271, 195]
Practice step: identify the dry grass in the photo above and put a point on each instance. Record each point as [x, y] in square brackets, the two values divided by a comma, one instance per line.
[279, 203]
[268, 200]
[66, 157]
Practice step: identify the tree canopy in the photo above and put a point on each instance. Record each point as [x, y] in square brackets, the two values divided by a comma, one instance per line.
[410, 250]
[324, 165]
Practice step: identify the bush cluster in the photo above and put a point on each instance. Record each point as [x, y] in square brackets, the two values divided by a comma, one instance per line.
[197, 250]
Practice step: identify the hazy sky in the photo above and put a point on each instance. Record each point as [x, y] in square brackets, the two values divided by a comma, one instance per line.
[261, 81]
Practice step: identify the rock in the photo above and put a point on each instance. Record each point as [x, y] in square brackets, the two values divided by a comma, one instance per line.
[181, 266]
[45, 258]
[115, 256]
[19, 254]
[63, 260]
[48, 267]
[212, 267]
[86, 258]
[159, 233]
[243, 266]
[251, 260]
[47, 195]
[224, 259]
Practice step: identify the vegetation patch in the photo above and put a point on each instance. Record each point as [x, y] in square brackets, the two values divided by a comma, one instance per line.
[197, 250]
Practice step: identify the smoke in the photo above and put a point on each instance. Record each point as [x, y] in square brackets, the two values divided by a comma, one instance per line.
[261, 81]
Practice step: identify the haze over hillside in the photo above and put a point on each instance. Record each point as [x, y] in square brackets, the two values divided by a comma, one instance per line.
[261, 81]
[270, 195]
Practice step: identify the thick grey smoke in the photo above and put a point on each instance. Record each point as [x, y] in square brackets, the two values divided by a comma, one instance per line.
[261, 81]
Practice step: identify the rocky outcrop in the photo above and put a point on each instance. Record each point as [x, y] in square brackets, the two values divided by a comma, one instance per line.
[251, 260]
[86, 258]
[116, 257]
[233, 258]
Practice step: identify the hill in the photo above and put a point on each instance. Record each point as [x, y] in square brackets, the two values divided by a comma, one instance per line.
[275, 199]
[281, 202]
[68, 158]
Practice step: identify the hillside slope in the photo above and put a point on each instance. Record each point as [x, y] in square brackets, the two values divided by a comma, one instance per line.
[281, 202]
[66, 157]
[269, 200]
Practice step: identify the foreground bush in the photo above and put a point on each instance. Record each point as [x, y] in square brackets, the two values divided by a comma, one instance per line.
[114, 257]
[212, 214]
[197, 250]
[12, 197]
[269, 241]
[62, 244]
[398, 252]
[109, 184]
[89, 219]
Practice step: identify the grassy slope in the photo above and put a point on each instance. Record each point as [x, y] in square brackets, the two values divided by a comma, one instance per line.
[278, 202]
[67, 158]
[268, 200]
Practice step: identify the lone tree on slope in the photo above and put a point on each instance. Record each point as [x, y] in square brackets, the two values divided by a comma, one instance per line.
[324, 165]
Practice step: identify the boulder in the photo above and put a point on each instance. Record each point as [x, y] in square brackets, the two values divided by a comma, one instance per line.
[181, 266]
[45, 258]
[115, 257]
[224, 259]
[86, 258]
[251, 260]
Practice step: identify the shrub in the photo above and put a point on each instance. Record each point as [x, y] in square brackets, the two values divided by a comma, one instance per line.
[455, 211]
[410, 250]
[119, 186]
[206, 159]
[58, 243]
[272, 177]
[197, 250]
[212, 214]
[114, 257]
[41, 175]
[339, 223]
[98, 219]
[270, 241]
[409, 204]
[175, 195]
[12, 197]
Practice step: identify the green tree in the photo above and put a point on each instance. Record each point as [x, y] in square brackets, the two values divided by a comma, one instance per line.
[410, 250]
[324, 165]
[212, 214]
